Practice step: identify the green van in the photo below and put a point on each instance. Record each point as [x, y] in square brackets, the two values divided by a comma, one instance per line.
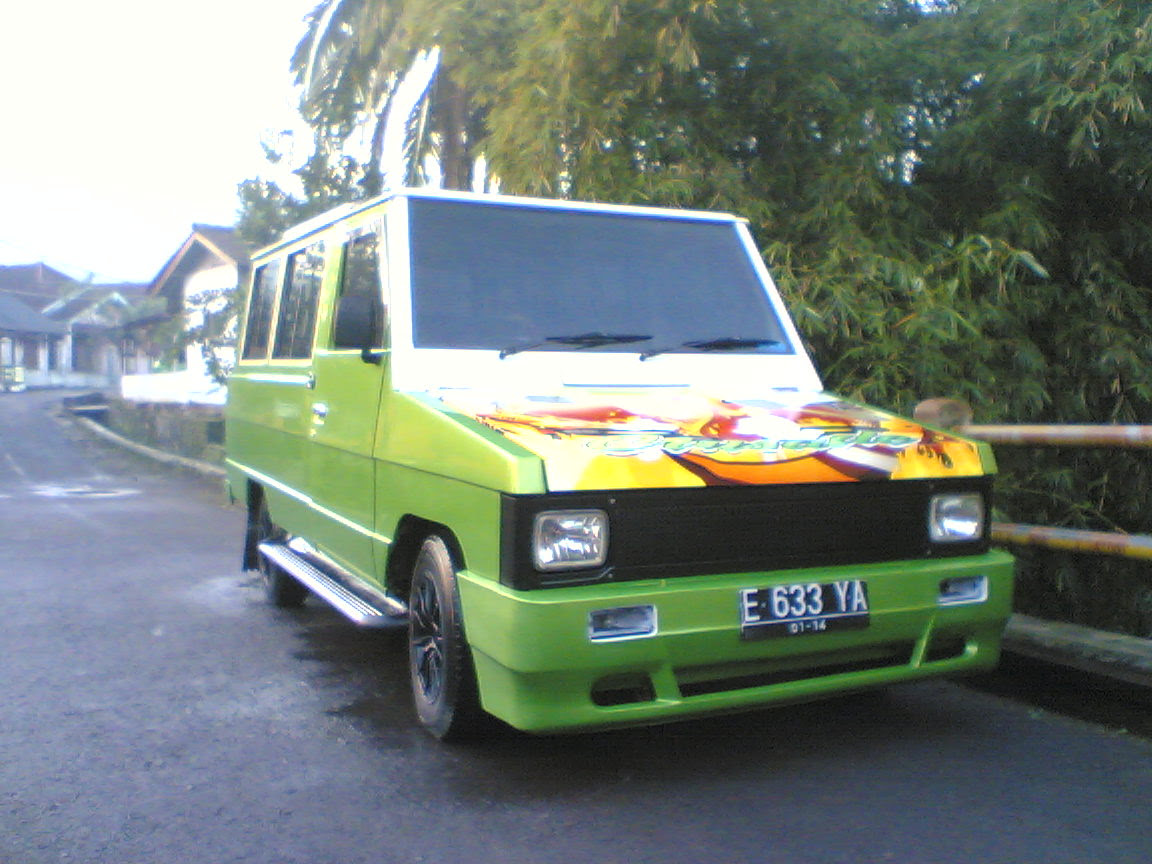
[580, 453]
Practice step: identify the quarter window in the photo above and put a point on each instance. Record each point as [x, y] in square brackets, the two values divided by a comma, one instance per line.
[298, 305]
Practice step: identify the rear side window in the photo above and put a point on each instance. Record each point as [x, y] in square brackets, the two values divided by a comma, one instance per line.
[360, 311]
[260, 311]
[298, 305]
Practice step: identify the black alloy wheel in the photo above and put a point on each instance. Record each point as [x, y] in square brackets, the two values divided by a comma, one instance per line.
[443, 681]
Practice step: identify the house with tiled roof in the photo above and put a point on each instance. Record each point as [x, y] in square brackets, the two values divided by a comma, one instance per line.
[80, 335]
[210, 260]
[199, 283]
[34, 285]
[26, 338]
[57, 332]
[31, 345]
[17, 319]
[92, 317]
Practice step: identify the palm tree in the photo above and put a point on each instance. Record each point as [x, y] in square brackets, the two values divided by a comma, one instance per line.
[351, 64]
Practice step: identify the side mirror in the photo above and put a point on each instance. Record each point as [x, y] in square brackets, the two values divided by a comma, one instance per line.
[357, 323]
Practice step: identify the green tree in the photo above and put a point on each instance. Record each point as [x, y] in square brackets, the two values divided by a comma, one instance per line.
[1053, 152]
[327, 179]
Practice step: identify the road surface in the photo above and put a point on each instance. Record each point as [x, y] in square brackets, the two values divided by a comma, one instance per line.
[154, 709]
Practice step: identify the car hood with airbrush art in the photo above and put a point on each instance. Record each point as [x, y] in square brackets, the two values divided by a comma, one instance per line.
[628, 439]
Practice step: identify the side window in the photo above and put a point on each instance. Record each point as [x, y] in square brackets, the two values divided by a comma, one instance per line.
[360, 315]
[298, 306]
[260, 311]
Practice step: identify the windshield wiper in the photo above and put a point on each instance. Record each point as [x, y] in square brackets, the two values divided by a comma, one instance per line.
[726, 343]
[581, 340]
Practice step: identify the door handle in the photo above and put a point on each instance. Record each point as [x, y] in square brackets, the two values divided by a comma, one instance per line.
[319, 410]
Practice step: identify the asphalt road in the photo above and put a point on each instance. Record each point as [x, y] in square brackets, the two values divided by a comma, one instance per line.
[153, 709]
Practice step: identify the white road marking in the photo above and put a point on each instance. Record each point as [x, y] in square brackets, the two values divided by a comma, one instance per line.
[15, 467]
[76, 491]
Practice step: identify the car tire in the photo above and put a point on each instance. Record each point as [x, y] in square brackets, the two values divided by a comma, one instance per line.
[443, 681]
[280, 588]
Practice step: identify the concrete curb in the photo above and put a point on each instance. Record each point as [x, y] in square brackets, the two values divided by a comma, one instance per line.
[1111, 655]
[197, 465]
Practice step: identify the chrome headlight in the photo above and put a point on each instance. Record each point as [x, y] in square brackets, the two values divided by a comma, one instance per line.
[569, 539]
[956, 517]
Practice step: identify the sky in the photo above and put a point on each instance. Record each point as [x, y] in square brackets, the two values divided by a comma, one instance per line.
[122, 122]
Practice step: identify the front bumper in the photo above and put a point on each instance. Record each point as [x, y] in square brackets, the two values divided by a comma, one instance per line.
[539, 671]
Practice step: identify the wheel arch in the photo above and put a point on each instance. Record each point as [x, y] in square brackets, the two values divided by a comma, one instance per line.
[408, 538]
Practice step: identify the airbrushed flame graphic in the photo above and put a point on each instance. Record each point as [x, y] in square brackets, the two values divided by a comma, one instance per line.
[613, 440]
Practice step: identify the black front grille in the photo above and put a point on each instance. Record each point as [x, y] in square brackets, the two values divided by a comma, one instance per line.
[665, 533]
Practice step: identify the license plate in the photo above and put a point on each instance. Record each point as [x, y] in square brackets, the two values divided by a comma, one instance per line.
[804, 607]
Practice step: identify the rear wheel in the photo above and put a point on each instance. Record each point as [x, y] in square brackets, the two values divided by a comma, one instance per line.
[443, 681]
[281, 589]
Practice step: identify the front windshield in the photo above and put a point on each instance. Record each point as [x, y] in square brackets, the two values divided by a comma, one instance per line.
[514, 279]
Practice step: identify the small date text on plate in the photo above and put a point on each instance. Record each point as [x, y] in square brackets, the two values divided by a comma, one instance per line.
[804, 607]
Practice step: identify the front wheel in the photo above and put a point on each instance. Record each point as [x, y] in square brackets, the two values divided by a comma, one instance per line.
[443, 681]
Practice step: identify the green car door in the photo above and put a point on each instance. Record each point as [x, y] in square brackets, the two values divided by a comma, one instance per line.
[350, 367]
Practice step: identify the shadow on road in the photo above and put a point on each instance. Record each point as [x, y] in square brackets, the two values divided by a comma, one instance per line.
[371, 665]
[1060, 690]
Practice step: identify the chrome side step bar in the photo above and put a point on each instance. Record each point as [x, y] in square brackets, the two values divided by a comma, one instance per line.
[351, 598]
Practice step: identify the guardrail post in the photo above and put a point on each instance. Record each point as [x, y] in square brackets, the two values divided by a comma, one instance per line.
[943, 413]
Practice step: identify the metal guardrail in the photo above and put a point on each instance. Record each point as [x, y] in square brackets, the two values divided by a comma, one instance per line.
[1061, 436]
[1137, 546]
[957, 416]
